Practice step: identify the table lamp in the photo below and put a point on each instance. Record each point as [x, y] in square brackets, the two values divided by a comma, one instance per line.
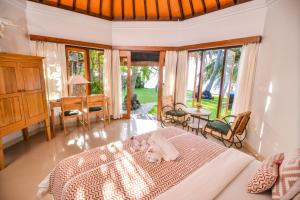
[79, 82]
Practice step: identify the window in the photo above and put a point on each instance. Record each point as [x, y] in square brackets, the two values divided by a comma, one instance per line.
[96, 71]
[89, 64]
[212, 74]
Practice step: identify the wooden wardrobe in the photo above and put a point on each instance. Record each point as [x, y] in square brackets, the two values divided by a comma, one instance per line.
[22, 96]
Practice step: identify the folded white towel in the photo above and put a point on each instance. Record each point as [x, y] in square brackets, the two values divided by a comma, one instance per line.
[139, 146]
[167, 149]
[153, 154]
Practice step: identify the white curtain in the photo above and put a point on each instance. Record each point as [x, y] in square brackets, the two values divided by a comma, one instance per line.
[170, 73]
[54, 64]
[107, 75]
[116, 85]
[181, 77]
[245, 79]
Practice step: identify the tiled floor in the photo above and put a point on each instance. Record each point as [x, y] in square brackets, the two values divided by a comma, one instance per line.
[29, 162]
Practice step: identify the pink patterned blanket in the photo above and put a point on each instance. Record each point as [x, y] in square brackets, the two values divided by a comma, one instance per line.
[116, 171]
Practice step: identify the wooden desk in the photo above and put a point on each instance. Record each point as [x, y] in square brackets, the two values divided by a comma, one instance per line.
[57, 104]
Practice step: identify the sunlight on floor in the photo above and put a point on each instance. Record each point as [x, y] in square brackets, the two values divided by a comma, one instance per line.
[100, 134]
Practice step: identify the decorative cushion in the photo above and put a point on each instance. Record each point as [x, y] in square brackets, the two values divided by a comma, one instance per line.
[176, 113]
[219, 126]
[96, 108]
[288, 183]
[71, 112]
[266, 176]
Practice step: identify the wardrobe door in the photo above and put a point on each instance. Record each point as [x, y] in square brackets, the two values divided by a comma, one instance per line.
[11, 104]
[11, 113]
[8, 78]
[33, 91]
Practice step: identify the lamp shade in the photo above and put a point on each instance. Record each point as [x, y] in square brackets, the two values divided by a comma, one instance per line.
[77, 79]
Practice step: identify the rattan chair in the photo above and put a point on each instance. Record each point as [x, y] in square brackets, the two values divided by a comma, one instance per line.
[229, 133]
[72, 108]
[172, 112]
[95, 105]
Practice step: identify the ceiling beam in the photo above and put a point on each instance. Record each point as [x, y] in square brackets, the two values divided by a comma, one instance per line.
[112, 9]
[100, 7]
[192, 8]
[204, 6]
[169, 9]
[181, 9]
[218, 4]
[145, 8]
[122, 9]
[157, 9]
[133, 9]
[88, 6]
[74, 4]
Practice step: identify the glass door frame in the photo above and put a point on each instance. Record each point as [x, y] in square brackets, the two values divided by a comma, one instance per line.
[127, 54]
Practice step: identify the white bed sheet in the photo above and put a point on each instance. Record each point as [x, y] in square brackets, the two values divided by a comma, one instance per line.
[237, 188]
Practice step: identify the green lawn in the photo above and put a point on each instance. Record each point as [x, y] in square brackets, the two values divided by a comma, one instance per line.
[145, 95]
[149, 95]
[209, 104]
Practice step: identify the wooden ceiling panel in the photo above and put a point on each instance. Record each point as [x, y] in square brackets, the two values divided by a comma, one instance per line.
[106, 8]
[226, 3]
[49, 2]
[128, 9]
[159, 10]
[81, 5]
[117, 9]
[198, 7]
[94, 7]
[187, 10]
[66, 3]
[140, 10]
[151, 9]
[163, 10]
[175, 9]
[211, 5]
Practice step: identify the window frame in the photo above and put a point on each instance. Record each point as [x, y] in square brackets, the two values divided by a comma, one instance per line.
[86, 63]
[200, 80]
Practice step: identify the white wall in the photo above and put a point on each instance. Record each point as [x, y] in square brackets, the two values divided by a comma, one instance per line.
[239, 21]
[15, 39]
[56, 22]
[276, 99]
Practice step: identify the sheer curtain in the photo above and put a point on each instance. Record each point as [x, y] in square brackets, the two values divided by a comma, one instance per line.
[107, 75]
[245, 79]
[181, 77]
[116, 85]
[170, 64]
[54, 67]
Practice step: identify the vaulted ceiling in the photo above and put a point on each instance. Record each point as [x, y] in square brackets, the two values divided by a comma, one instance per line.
[142, 10]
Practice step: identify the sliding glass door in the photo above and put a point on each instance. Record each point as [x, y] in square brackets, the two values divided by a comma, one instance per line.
[212, 79]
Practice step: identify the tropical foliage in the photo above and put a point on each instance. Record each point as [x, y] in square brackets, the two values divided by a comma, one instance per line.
[96, 71]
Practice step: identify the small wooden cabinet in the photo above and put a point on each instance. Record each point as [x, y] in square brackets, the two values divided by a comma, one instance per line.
[22, 95]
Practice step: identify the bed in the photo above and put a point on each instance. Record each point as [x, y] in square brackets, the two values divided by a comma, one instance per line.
[204, 170]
